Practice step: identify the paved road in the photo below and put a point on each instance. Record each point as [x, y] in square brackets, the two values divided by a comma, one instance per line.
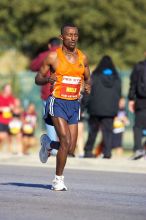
[25, 194]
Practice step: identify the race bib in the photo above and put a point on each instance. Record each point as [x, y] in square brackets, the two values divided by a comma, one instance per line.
[15, 127]
[7, 113]
[118, 126]
[118, 123]
[70, 87]
[28, 129]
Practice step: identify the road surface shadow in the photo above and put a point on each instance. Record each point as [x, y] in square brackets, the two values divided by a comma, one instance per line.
[32, 185]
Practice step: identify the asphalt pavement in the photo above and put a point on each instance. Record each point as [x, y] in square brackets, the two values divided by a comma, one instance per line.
[97, 189]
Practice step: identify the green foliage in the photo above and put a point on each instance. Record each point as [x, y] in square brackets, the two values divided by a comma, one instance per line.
[106, 26]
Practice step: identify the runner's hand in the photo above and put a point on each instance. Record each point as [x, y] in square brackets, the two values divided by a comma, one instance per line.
[87, 87]
[52, 78]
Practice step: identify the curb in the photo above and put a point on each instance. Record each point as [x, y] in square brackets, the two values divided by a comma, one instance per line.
[95, 164]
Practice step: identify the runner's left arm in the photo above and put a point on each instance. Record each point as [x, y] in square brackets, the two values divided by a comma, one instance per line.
[87, 85]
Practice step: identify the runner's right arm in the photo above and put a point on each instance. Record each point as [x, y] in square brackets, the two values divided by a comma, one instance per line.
[41, 77]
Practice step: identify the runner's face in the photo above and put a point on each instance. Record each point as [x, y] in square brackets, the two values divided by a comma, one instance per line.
[70, 37]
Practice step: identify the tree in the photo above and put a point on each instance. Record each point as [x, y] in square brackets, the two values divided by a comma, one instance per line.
[106, 27]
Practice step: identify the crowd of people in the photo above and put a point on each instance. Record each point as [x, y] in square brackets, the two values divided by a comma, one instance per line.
[103, 110]
[17, 125]
[107, 112]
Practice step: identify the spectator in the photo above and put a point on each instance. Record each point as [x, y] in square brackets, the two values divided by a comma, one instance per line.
[6, 106]
[46, 89]
[103, 105]
[29, 120]
[137, 105]
[120, 121]
[15, 127]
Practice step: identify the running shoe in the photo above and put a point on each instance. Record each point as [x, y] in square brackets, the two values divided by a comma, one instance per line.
[45, 148]
[58, 184]
[138, 155]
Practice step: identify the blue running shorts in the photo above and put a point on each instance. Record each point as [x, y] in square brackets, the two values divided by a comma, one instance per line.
[66, 109]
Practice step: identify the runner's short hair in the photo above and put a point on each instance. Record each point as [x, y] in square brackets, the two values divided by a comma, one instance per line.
[67, 25]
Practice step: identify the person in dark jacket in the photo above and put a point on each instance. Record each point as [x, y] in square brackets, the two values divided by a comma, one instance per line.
[103, 105]
[137, 105]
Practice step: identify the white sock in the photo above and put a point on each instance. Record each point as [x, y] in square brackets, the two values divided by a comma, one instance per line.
[58, 177]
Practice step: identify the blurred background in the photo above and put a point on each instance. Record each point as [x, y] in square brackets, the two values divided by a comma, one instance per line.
[106, 27]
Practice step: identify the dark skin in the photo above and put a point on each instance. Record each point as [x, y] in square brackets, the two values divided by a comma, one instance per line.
[67, 133]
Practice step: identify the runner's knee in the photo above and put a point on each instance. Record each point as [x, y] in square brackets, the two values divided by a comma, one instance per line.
[65, 141]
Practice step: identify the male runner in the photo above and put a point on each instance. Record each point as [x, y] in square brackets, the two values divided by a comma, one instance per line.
[69, 69]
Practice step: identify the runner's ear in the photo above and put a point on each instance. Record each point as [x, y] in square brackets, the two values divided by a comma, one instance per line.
[60, 37]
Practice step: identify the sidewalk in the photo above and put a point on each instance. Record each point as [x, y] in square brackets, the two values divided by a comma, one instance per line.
[96, 164]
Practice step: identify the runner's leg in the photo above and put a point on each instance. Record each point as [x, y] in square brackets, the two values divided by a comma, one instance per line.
[74, 134]
[63, 132]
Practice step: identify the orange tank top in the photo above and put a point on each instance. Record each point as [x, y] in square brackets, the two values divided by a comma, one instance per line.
[69, 77]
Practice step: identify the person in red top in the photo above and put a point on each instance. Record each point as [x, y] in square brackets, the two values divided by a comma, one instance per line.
[36, 63]
[46, 89]
[6, 106]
